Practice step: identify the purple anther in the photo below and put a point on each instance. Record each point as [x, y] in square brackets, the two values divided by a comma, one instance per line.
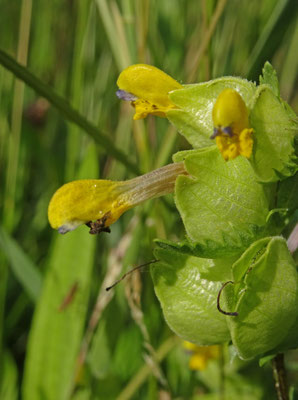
[215, 133]
[228, 130]
[123, 95]
[63, 229]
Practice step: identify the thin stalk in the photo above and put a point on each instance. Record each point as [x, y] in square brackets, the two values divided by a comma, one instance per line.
[292, 241]
[74, 137]
[16, 121]
[264, 36]
[103, 298]
[222, 372]
[142, 18]
[290, 67]
[280, 378]
[120, 54]
[141, 376]
[13, 157]
[67, 111]
[166, 147]
[121, 34]
[206, 40]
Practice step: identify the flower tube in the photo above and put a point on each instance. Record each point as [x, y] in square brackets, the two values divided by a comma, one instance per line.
[104, 201]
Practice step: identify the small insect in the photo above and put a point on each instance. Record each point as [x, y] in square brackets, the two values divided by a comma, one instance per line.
[68, 299]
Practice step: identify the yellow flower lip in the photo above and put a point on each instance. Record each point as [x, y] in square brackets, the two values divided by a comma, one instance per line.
[104, 201]
[201, 355]
[147, 87]
[232, 133]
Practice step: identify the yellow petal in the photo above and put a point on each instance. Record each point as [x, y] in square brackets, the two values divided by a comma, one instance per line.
[246, 142]
[81, 201]
[231, 126]
[230, 111]
[202, 355]
[104, 201]
[150, 86]
[197, 362]
[189, 346]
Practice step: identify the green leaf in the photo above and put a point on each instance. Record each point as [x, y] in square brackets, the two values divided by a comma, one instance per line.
[193, 119]
[269, 77]
[128, 353]
[288, 193]
[266, 359]
[9, 378]
[187, 292]
[222, 206]
[99, 356]
[265, 295]
[274, 131]
[25, 271]
[55, 335]
[82, 394]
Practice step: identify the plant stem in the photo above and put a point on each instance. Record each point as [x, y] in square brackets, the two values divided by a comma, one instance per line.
[206, 40]
[222, 372]
[280, 378]
[66, 110]
[140, 377]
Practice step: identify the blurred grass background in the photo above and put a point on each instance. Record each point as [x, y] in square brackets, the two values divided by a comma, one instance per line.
[112, 345]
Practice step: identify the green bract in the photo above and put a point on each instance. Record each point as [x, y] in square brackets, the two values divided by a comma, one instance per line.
[187, 288]
[274, 123]
[265, 295]
[193, 119]
[274, 126]
[222, 206]
[231, 212]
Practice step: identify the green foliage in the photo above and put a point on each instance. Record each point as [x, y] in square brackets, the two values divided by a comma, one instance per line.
[9, 378]
[222, 206]
[269, 77]
[274, 153]
[59, 319]
[288, 193]
[187, 288]
[265, 295]
[193, 119]
[74, 52]
[23, 268]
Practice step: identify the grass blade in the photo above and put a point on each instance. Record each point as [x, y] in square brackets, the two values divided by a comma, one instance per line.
[65, 108]
[58, 322]
[23, 268]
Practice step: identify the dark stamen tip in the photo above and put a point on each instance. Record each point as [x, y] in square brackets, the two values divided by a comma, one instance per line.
[227, 130]
[123, 95]
[215, 133]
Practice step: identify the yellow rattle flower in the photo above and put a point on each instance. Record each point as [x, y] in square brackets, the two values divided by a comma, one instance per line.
[147, 88]
[232, 133]
[200, 355]
[103, 201]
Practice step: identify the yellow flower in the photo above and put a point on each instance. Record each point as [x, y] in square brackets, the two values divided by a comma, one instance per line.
[83, 201]
[147, 88]
[200, 355]
[232, 133]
